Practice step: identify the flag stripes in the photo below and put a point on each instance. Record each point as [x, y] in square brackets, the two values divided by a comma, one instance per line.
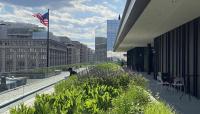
[43, 18]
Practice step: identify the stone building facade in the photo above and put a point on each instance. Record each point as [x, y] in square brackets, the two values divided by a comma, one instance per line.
[16, 55]
[24, 46]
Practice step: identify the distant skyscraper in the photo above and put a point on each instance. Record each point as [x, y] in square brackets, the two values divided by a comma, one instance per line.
[112, 29]
[100, 49]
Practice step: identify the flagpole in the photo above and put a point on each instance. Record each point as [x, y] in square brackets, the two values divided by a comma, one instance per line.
[48, 44]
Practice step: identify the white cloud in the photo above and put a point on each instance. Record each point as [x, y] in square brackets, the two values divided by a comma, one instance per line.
[116, 54]
[1, 6]
[70, 19]
[90, 44]
[98, 9]
[100, 31]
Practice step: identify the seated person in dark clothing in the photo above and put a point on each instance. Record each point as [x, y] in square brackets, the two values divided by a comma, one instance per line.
[165, 77]
[71, 71]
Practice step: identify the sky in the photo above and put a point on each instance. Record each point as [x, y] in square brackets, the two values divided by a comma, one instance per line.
[80, 20]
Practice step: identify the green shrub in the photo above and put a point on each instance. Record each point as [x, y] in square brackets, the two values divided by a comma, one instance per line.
[120, 80]
[70, 83]
[66, 103]
[109, 74]
[22, 109]
[108, 66]
[89, 99]
[42, 105]
[101, 94]
[105, 89]
[132, 101]
[139, 80]
[158, 108]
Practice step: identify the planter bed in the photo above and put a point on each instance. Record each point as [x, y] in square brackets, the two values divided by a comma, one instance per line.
[105, 89]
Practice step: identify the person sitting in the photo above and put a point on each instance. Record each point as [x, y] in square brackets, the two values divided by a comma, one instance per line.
[72, 72]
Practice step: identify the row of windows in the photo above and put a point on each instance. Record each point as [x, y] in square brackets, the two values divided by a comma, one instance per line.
[22, 43]
[18, 56]
[27, 43]
[11, 50]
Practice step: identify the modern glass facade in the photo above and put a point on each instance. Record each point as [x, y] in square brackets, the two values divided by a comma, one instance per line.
[100, 49]
[112, 29]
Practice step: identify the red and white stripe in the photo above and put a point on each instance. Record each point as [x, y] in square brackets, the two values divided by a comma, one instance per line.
[43, 21]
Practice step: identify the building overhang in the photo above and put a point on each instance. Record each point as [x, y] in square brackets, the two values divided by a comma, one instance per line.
[144, 20]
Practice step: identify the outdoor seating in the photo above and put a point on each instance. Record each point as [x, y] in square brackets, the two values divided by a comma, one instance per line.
[178, 84]
[163, 80]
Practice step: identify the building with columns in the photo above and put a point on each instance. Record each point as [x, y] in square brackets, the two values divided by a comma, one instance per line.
[16, 55]
[24, 46]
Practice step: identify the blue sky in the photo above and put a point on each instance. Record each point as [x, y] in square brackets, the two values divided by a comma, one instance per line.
[77, 19]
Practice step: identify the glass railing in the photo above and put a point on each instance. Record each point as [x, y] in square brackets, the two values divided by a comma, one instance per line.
[20, 86]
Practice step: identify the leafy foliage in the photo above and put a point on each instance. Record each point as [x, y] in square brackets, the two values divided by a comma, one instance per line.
[139, 80]
[108, 66]
[57, 104]
[100, 95]
[104, 89]
[22, 109]
[68, 84]
[132, 101]
[158, 108]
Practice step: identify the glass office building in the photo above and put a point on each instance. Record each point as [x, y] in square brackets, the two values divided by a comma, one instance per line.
[112, 29]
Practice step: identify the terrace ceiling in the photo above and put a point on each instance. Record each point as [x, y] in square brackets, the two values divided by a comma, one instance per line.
[158, 17]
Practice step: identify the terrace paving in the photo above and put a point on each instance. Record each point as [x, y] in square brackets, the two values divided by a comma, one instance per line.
[28, 101]
[183, 105]
[15, 93]
[29, 88]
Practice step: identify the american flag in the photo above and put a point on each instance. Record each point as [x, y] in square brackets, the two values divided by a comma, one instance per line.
[44, 19]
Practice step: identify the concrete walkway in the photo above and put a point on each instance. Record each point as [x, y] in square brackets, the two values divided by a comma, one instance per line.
[28, 101]
[10, 96]
[183, 105]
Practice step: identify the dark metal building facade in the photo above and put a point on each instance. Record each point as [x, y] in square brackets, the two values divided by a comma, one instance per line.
[177, 53]
[137, 59]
